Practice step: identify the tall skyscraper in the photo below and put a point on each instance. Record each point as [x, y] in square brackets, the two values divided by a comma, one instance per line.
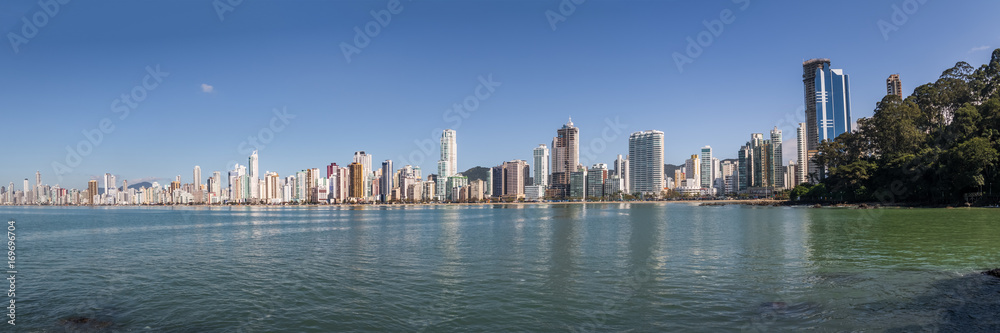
[385, 183]
[253, 173]
[692, 169]
[707, 173]
[515, 178]
[109, 184]
[448, 164]
[645, 153]
[803, 161]
[833, 103]
[357, 185]
[91, 191]
[38, 187]
[365, 160]
[621, 170]
[565, 156]
[809, 70]
[541, 155]
[217, 178]
[893, 86]
[777, 169]
[744, 168]
[197, 178]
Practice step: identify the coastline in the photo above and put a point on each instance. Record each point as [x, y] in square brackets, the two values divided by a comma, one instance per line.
[700, 202]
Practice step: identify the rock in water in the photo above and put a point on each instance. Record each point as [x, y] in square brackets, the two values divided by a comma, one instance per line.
[75, 324]
[995, 272]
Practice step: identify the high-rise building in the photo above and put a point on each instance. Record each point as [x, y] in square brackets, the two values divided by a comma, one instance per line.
[109, 183]
[777, 169]
[357, 186]
[565, 156]
[498, 181]
[893, 86]
[645, 162]
[385, 183]
[706, 172]
[448, 164]
[366, 173]
[758, 160]
[596, 176]
[621, 170]
[541, 159]
[197, 178]
[809, 78]
[91, 191]
[729, 177]
[692, 168]
[217, 188]
[515, 178]
[578, 183]
[253, 175]
[833, 103]
[803, 161]
[828, 105]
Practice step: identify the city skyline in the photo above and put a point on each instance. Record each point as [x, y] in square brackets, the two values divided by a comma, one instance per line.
[209, 108]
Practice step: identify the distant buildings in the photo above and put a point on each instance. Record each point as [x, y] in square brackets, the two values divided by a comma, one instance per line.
[596, 177]
[760, 166]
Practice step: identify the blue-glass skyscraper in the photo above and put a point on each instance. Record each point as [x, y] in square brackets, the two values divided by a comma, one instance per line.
[833, 103]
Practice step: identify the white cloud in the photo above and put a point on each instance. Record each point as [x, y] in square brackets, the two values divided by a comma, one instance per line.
[207, 88]
[981, 48]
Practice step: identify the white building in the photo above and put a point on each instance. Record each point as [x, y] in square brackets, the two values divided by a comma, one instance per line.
[541, 159]
[448, 164]
[645, 153]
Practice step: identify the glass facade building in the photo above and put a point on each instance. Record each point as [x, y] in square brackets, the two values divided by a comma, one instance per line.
[833, 103]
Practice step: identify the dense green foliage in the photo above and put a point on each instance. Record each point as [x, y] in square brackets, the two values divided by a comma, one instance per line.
[937, 146]
[477, 173]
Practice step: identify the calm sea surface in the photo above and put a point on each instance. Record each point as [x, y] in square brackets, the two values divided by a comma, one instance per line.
[506, 268]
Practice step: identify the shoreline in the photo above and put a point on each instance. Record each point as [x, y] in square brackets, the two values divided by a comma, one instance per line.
[722, 202]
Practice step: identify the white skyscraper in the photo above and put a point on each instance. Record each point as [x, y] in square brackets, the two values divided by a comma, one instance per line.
[645, 162]
[541, 155]
[621, 170]
[448, 164]
[803, 162]
[253, 173]
[109, 183]
[707, 171]
[217, 189]
[197, 178]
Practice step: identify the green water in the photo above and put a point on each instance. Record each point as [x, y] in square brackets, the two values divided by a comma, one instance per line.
[506, 268]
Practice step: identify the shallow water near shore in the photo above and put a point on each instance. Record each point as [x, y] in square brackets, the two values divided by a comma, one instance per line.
[501, 268]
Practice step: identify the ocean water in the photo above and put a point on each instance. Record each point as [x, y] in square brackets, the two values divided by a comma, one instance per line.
[505, 268]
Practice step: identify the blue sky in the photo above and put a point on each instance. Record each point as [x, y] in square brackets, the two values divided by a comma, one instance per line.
[607, 62]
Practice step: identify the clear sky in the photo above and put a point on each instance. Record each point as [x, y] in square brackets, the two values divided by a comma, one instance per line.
[608, 62]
